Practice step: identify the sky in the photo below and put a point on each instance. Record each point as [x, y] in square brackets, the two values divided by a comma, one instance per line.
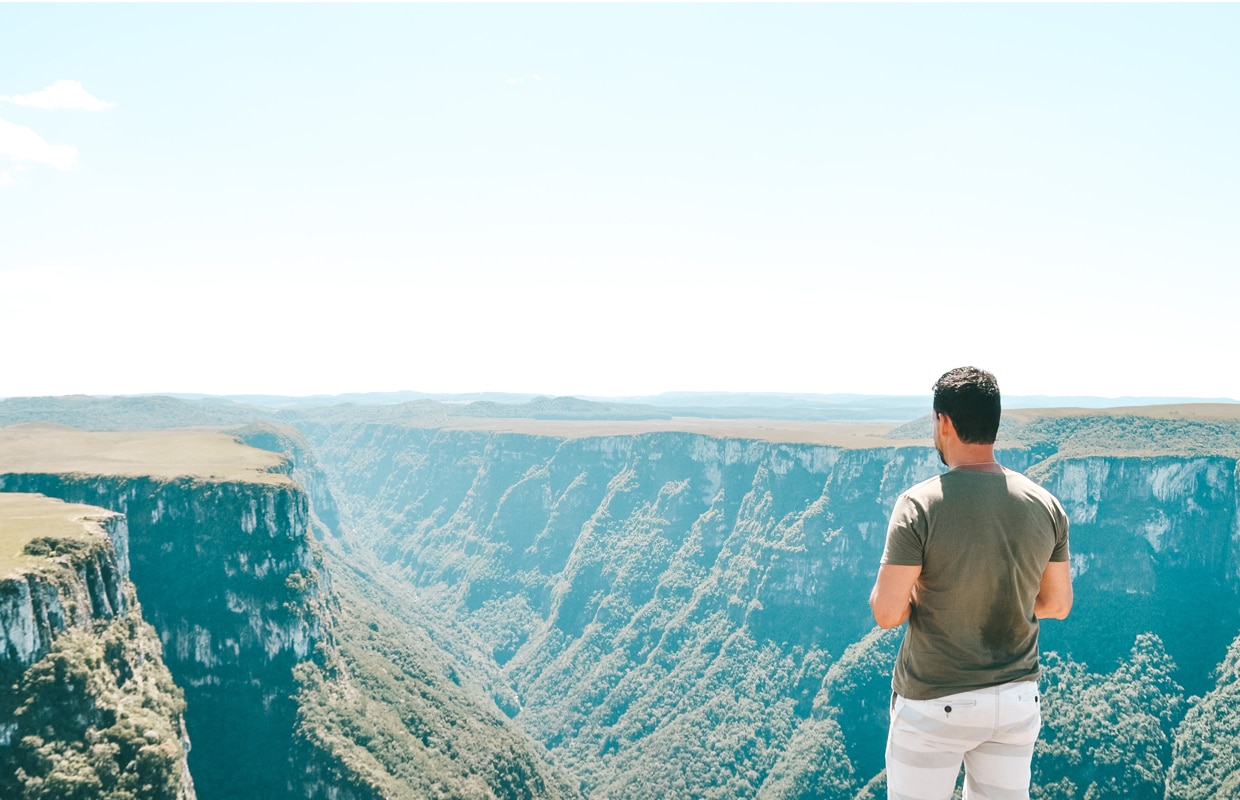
[619, 200]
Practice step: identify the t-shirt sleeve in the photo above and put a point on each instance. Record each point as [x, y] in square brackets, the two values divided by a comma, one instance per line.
[906, 535]
[1060, 521]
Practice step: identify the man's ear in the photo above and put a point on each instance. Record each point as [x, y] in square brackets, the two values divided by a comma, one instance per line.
[945, 424]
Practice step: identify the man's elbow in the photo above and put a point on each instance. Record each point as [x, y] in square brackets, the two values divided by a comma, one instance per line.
[1057, 608]
[888, 618]
[887, 622]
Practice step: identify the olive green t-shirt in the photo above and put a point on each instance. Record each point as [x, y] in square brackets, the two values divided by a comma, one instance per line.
[982, 540]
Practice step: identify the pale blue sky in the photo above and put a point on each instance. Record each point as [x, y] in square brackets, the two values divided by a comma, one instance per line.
[619, 199]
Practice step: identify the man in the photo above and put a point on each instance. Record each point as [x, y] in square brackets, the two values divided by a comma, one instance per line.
[974, 557]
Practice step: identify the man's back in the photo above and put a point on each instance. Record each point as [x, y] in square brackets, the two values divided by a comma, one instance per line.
[982, 540]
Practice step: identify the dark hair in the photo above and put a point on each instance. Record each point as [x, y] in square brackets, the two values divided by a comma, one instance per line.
[970, 397]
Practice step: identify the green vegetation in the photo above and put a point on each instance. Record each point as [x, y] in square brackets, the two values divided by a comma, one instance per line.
[98, 715]
[213, 563]
[1108, 735]
[1101, 435]
[230, 571]
[98, 718]
[835, 747]
[1206, 756]
[634, 606]
[659, 610]
[392, 718]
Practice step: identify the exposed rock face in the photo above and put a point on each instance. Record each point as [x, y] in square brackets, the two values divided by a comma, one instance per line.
[67, 602]
[491, 514]
[670, 614]
[229, 579]
[1155, 540]
[609, 577]
[36, 605]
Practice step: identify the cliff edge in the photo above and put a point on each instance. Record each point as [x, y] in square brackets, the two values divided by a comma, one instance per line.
[92, 709]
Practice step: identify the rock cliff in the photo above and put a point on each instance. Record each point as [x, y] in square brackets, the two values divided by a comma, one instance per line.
[227, 578]
[630, 590]
[281, 701]
[92, 709]
[85, 583]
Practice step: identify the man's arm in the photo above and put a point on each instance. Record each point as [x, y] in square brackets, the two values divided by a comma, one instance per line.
[892, 597]
[1054, 592]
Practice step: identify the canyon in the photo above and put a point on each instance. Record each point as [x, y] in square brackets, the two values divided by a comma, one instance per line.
[578, 606]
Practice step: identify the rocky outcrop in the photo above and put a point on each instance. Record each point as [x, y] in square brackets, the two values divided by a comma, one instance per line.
[229, 578]
[81, 581]
[88, 701]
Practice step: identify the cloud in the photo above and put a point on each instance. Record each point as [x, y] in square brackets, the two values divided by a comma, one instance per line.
[23, 144]
[61, 94]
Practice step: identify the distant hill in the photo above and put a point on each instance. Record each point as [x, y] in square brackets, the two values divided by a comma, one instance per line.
[182, 410]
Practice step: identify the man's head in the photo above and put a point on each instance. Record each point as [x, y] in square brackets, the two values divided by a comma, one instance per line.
[970, 398]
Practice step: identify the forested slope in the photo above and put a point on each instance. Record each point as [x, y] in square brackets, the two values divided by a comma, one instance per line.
[676, 611]
[680, 615]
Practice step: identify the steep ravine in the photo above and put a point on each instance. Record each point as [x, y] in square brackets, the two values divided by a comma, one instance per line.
[661, 610]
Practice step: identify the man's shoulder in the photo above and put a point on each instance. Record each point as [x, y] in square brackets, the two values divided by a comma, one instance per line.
[963, 487]
[1022, 482]
[929, 489]
[1029, 491]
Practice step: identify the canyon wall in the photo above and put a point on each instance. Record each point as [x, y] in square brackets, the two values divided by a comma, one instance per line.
[662, 610]
[286, 693]
[227, 577]
[91, 709]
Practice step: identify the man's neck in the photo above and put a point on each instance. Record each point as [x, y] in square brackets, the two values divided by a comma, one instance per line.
[979, 457]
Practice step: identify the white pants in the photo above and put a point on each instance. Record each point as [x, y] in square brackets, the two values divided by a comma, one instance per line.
[992, 731]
